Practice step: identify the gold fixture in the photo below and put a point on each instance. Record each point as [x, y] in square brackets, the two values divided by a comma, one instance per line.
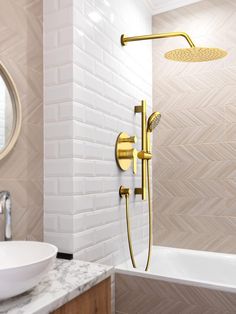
[153, 121]
[195, 54]
[192, 54]
[150, 233]
[16, 108]
[125, 152]
[143, 110]
[125, 39]
[125, 192]
[145, 154]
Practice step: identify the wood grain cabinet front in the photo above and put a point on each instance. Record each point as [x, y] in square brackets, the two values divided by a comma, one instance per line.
[96, 300]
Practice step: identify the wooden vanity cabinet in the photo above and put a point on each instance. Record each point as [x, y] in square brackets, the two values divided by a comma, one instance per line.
[96, 300]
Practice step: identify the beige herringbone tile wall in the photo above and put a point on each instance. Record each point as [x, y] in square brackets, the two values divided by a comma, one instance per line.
[21, 172]
[194, 172]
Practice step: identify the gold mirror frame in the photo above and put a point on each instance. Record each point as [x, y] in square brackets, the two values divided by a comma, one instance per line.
[16, 108]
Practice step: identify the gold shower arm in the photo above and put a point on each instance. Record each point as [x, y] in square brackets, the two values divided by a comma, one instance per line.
[125, 39]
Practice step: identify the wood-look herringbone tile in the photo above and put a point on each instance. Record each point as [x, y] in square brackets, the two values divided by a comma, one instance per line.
[194, 163]
[21, 172]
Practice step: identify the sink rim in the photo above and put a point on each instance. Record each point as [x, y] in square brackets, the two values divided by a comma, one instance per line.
[49, 256]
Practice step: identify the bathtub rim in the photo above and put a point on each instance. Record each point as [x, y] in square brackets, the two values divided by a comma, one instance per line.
[120, 269]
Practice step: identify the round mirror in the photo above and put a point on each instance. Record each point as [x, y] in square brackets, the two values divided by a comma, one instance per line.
[10, 113]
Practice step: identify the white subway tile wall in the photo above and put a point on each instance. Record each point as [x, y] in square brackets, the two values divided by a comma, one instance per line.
[91, 86]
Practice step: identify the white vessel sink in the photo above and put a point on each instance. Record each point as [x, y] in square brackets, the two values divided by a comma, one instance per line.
[22, 265]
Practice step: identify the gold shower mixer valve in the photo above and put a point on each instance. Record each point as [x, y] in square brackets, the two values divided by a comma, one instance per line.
[125, 153]
[129, 155]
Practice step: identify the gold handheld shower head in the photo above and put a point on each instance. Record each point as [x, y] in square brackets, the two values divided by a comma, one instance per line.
[153, 121]
[195, 54]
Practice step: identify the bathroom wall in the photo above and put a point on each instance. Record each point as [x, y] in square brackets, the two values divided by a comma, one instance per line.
[92, 84]
[21, 172]
[195, 145]
[2, 112]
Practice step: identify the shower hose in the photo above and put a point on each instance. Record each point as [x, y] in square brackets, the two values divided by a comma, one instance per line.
[150, 224]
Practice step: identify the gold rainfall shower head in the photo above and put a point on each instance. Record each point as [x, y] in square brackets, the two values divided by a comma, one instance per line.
[192, 54]
[195, 54]
[153, 121]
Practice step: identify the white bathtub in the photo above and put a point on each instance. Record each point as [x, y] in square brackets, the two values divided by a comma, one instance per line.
[188, 267]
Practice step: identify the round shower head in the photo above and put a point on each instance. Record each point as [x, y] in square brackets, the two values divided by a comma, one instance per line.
[153, 121]
[195, 54]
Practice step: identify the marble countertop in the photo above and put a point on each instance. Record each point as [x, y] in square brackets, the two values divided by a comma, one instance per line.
[64, 282]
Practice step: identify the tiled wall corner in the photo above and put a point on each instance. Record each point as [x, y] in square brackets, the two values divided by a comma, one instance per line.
[82, 178]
